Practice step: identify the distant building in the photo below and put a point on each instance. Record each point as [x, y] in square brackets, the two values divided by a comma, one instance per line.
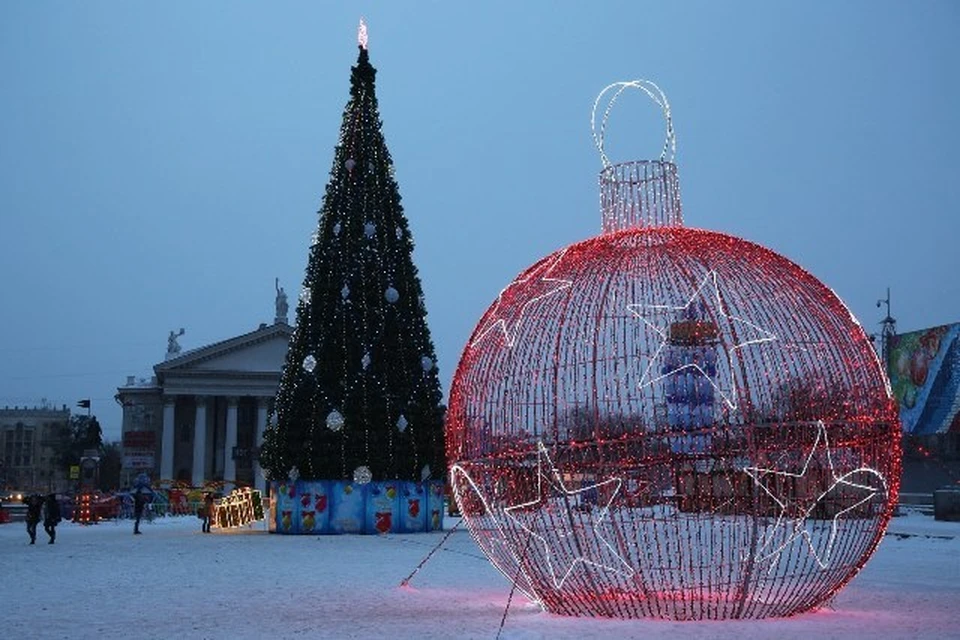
[202, 416]
[28, 439]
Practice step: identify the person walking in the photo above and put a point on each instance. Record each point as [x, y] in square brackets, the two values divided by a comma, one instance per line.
[51, 516]
[34, 504]
[207, 512]
[139, 502]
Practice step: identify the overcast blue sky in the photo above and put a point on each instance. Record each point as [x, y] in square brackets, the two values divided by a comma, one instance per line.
[162, 162]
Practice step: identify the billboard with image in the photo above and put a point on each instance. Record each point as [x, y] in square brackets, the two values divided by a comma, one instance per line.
[924, 368]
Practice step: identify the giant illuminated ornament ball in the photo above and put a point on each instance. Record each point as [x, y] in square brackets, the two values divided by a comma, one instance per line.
[671, 422]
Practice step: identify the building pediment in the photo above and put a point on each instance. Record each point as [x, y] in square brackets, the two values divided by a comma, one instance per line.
[260, 351]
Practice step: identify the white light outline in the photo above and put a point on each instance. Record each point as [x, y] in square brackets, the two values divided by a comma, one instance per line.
[542, 454]
[799, 525]
[532, 595]
[242, 499]
[876, 356]
[645, 380]
[510, 337]
[656, 94]
[362, 34]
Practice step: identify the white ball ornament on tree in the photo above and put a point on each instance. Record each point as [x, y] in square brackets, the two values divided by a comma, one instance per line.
[305, 296]
[391, 295]
[365, 361]
[345, 292]
[309, 364]
[362, 475]
[369, 229]
[336, 229]
[426, 363]
[402, 423]
[350, 164]
[334, 420]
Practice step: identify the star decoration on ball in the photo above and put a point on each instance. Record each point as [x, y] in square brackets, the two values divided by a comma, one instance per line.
[567, 524]
[705, 313]
[494, 541]
[517, 297]
[845, 492]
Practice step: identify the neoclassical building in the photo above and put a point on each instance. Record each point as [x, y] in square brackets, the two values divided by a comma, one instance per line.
[203, 414]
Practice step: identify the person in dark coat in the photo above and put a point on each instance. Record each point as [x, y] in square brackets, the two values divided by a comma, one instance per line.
[34, 511]
[207, 512]
[139, 502]
[51, 516]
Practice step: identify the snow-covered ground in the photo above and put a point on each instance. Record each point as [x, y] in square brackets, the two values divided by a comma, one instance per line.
[101, 581]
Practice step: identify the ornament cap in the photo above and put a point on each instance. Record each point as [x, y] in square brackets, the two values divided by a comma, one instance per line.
[639, 193]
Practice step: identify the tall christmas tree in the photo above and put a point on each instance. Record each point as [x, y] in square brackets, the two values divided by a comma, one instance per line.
[359, 396]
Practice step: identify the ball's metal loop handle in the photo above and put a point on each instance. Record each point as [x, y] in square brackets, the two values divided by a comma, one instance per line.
[669, 151]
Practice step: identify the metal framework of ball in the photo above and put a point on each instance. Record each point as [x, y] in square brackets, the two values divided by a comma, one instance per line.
[671, 422]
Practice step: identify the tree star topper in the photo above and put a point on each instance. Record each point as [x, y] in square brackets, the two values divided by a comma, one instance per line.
[821, 555]
[588, 544]
[514, 299]
[709, 292]
[362, 34]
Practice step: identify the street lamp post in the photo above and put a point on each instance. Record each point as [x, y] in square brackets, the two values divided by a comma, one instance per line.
[889, 331]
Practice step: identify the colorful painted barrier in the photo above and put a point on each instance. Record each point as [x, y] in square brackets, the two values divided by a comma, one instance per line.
[924, 368]
[313, 507]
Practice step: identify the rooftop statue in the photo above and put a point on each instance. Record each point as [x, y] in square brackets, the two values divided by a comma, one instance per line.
[281, 302]
[173, 347]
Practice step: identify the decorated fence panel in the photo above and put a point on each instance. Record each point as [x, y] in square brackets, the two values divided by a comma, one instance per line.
[339, 507]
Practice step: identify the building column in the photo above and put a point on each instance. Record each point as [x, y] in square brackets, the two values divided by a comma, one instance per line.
[167, 438]
[200, 441]
[259, 480]
[229, 463]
